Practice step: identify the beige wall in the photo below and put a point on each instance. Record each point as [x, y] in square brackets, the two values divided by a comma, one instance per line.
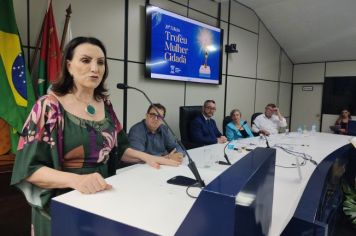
[315, 73]
[258, 74]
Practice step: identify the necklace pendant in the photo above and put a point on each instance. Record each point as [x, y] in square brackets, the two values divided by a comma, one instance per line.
[90, 110]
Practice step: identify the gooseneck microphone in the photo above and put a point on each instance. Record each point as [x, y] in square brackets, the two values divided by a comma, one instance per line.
[191, 164]
[262, 135]
[225, 156]
[267, 144]
[125, 86]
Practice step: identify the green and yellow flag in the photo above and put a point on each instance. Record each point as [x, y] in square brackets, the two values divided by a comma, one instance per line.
[16, 90]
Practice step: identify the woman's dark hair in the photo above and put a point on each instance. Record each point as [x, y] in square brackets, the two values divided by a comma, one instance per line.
[64, 84]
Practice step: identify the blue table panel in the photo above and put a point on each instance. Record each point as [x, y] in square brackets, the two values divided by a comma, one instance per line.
[72, 221]
[238, 202]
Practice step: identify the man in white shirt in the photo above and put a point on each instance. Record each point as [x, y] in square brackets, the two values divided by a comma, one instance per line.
[269, 122]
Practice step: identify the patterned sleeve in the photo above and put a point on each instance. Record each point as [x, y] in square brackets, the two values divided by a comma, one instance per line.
[122, 141]
[40, 145]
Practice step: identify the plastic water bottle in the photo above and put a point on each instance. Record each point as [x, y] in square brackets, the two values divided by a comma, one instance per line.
[300, 130]
[313, 128]
[286, 131]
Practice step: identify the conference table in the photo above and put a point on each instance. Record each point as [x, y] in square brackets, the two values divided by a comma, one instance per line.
[142, 201]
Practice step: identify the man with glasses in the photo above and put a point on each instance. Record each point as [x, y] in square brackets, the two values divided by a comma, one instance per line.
[269, 122]
[153, 137]
[203, 130]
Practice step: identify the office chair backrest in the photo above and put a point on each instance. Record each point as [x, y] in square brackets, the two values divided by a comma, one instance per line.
[186, 115]
[226, 120]
[253, 117]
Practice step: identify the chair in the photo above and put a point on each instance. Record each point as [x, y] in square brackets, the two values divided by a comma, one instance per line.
[226, 120]
[186, 115]
[253, 117]
[351, 128]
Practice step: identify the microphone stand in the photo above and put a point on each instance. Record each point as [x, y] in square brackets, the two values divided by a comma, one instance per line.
[267, 144]
[191, 164]
[263, 135]
[225, 156]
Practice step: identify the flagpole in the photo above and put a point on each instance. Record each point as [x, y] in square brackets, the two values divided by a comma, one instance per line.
[37, 48]
[65, 28]
[38, 42]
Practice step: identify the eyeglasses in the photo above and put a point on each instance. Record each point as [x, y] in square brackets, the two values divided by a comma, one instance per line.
[211, 108]
[155, 116]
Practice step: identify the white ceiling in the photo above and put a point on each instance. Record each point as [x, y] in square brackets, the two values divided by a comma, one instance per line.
[310, 30]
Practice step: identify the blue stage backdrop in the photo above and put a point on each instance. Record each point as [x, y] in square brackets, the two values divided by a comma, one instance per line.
[179, 48]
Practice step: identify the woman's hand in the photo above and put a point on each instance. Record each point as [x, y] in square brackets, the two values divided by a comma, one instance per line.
[90, 183]
[342, 131]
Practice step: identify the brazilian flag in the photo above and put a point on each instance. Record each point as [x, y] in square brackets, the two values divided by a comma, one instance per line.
[16, 90]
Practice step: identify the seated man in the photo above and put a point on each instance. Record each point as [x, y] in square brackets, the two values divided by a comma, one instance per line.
[153, 137]
[269, 122]
[203, 130]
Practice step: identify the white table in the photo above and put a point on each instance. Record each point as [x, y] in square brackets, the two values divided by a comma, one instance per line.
[141, 197]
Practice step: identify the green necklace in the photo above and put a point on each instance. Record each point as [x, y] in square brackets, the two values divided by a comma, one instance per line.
[90, 110]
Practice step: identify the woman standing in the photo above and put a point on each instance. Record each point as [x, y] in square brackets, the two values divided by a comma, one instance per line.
[237, 128]
[72, 138]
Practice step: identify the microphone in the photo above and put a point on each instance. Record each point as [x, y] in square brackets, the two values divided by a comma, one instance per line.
[264, 136]
[225, 156]
[122, 86]
[191, 164]
[267, 144]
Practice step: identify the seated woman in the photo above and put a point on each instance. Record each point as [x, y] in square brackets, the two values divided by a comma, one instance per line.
[343, 121]
[237, 128]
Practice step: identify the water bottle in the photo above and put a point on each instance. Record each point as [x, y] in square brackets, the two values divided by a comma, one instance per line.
[286, 131]
[313, 128]
[300, 130]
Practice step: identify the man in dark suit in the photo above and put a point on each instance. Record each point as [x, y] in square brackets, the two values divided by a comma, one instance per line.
[203, 130]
